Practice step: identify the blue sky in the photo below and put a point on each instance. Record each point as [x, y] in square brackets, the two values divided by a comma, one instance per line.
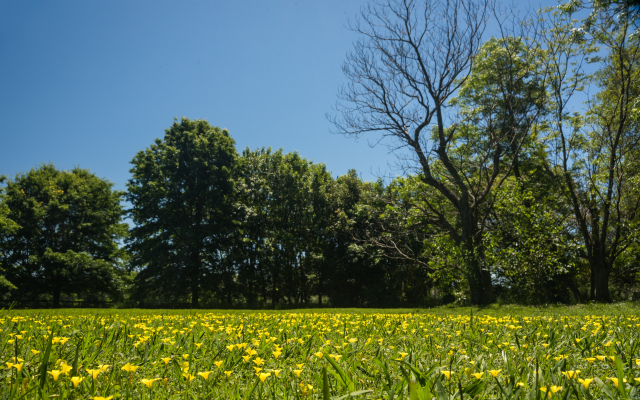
[90, 83]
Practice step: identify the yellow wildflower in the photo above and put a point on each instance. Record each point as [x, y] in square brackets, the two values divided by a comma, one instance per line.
[148, 382]
[263, 376]
[76, 380]
[205, 375]
[55, 373]
[94, 372]
[129, 368]
[585, 382]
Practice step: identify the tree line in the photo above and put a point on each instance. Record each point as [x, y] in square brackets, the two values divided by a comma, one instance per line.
[518, 182]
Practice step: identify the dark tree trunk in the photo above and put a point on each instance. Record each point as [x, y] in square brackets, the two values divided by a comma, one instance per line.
[479, 279]
[478, 275]
[601, 274]
[56, 298]
[195, 279]
[592, 288]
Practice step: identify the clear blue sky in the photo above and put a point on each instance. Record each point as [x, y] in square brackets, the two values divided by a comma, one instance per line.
[90, 83]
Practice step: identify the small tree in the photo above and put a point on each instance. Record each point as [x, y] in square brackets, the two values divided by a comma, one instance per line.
[68, 234]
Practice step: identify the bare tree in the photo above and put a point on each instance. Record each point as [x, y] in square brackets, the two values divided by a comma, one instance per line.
[412, 59]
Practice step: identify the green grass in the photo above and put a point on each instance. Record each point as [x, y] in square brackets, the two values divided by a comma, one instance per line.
[371, 353]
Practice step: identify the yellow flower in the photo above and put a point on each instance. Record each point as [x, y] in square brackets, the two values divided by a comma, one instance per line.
[35, 352]
[555, 388]
[76, 380]
[319, 354]
[570, 374]
[601, 358]
[246, 358]
[447, 373]
[166, 360]
[277, 353]
[218, 363]
[104, 367]
[228, 373]
[478, 375]
[263, 376]
[94, 372]
[231, 347]
[258, 369]
[585, 382]
[205, 375]
[65, 368]
[403, 355]
[591, 359]
[297, 372]
[148, 382]
[494, 372]
[18, 366]
[251, 352]
[545, 345]
[55, 373]
[258, 361]
[101, 398]
[129, 368]
[300, 365]
[189, 377]
[276, 372]
[614, 380]
[551, 390]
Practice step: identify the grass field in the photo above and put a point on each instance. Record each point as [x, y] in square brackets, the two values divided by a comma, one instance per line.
[581, 352]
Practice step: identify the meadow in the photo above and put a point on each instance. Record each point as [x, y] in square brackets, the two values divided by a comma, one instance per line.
[584, 353]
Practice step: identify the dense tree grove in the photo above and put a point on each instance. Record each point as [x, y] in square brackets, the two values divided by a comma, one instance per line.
[519, 182]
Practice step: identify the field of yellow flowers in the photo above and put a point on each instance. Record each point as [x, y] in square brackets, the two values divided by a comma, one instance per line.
[278, 355]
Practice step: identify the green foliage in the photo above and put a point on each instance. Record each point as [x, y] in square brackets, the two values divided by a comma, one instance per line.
[66, 241]
[528, 246]
[7, 227]
[183, 208]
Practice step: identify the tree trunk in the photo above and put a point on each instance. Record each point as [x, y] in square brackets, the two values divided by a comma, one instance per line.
[56, 298]
[478, 275]
[195, 279]
[479, 280]
[601, 273]
[592, 288]
[195, 295]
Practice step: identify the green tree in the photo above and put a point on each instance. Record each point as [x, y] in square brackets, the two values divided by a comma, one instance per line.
[183, 208]
[7, 227]
[67, 241]
[529, 247]
[598, 151]
[414, 58]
